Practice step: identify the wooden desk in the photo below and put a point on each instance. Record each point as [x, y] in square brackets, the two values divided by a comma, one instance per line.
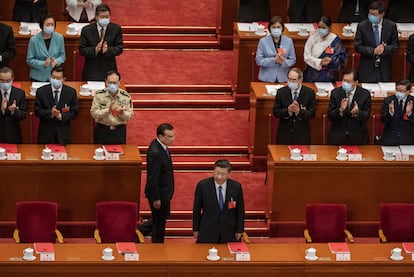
[182, 260]
[18, 63]
[261, 105]
[76, 184]
[245, 43]
[362, 185]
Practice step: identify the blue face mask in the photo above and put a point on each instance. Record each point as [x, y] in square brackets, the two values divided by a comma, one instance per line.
[56, 84]
[400, 95]
[374, 19]
[292, 85]
[48, 29]
[5, 86]
[103, 21]
[276, 32]
[347, 87]
[113, 88]
[323, 32]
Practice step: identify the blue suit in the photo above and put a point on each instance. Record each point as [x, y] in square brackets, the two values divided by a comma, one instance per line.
[37, 53]
[270, 71]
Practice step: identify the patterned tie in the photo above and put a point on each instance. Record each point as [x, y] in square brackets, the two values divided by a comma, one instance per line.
[295, 96]
[168, 152]
[221, 198]
[56, 96]
[5, 95]
[376, 35]
[348, 95]
[102, 33]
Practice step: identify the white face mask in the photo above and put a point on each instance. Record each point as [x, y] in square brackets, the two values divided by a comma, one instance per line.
[400, 95]
[276, 32]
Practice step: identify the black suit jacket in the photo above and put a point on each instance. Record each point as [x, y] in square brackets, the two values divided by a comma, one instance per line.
[9, 123]
[400, 10]
[398, 129]
[365, 45]
[410, 56]
[98, 64]
[7, 44]
[160, 175]
[27, 11]
[347, 13]
[311, 8]
[294, 129]
[215, 225]
[254, 10]
[52, 130]
[346, 129]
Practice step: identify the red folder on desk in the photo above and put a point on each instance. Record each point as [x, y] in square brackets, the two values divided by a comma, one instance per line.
[351, 149]
[303, 148]
[43, 247]
[338, 247]
[113, 148]
[10, 148]
[126, 247]
[237, 247]
[56, 148]
[408, 247]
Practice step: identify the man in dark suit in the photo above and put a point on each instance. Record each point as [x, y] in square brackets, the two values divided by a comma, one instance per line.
[305, 10]
[397, 116]
[410, 56]
[400, 10]
[56, 105]
[13, 108]
[218, 211]
[160, 180]
[376, 39]
[294, 106]
[254, 10]
[349, 110]
[354, 10]
[100, 43]
[29, 10]
[7, 44]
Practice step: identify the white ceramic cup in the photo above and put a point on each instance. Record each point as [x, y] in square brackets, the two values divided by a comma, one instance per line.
[342, 153]
[99, 153]
[33, 90]
[71, 29]
[28, 253]
[212, 252]
[2, 153]
[47, 153]
[388, 155]
[396, 253]
[295, 153]
[24, 28]
[303, 30]
[107, 253]
[84, 88]
[347, 30]
[260, 29]
[310, 253]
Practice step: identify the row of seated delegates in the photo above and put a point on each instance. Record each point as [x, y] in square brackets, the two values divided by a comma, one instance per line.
[82, 11]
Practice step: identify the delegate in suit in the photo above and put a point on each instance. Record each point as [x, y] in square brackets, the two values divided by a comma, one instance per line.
[275, 54]
[397, 116]
[100, 43]
[353, 10]
[7, 44]
[410, 56]
[159, 188]
[13, 108]
[305, 10]
[294, 106]
[349, 110]
[29, 10]
[218, 211]
[56, 105]
[376, 39]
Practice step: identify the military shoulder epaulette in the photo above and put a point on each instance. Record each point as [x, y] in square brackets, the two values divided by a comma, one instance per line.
[101, 91]
[123, 92]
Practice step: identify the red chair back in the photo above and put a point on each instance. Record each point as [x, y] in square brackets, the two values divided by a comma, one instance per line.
[355, 61]
[78, 62]
[326, 125]
[255, 68]
[273, 125]
[378, 127]
[117, 221]
[36, 221]
[326, 222]
[397, 221]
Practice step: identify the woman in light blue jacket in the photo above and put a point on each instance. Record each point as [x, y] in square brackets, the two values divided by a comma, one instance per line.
[275, 53]
[45, 51]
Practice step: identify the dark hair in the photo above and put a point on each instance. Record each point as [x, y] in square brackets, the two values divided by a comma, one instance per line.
[110, 72]
[326, 20]
[163, 127]
[405, 83]
[102, 8]
[42, 21]
[59, 68]
[276, 19]
[298, 71]
[377, 6]
[351, 71]
[6, 69]
[223, 164]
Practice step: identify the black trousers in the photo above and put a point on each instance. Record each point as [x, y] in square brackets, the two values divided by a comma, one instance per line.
[159, 218]
[104, 134]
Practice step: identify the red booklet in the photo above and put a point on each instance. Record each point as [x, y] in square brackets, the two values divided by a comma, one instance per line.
[113, 148]
[17, 84]
[126, 247]
[408, 247]
[56, 148]
[338, 247]
[303, 148]
[351, 149]
[338, 83]
[10, 148]
[43, 247]
[237, 247]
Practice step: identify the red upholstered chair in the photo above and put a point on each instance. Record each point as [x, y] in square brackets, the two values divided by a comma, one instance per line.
[36, 222]
[116, 221]
[255, 68]
[273, 124]
[326, 125]
[326, 223]
[406, 67]
[396, 222]
[78, 62]
[377, 128]
[355, 61]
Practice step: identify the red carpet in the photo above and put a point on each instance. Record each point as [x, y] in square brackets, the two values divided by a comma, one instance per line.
[164, 13]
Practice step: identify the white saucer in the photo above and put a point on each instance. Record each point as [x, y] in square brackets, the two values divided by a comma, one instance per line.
[98, 159]
[46, 159]
[348, 35]
[303, 34]
[213, 258]
[296, 159]
[25, 33]
[85, 94]
[2, 159]
[314, 258]
[323, 94]
[29, 259]
[71, 34]
[386, 159]
[108, 259]
[259, 34]
[341, 159]
[397, 259]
